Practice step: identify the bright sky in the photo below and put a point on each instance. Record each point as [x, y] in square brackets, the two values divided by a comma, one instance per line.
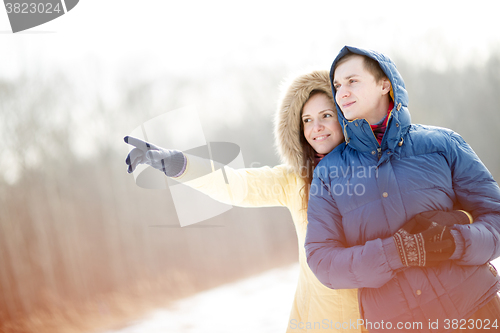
[151, 37]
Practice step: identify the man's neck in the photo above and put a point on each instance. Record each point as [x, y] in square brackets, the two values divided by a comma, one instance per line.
[380, 113]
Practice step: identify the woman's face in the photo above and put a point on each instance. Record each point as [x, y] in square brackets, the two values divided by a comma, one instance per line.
[321, 127]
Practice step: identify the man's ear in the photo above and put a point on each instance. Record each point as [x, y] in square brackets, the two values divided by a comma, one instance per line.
[386, 86]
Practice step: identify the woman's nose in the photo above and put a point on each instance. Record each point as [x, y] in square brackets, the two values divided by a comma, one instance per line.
[318, 126]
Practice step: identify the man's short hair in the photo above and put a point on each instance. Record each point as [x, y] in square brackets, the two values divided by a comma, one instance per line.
[371, 65]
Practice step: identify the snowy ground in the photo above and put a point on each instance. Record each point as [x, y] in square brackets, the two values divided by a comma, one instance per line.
[258, 304]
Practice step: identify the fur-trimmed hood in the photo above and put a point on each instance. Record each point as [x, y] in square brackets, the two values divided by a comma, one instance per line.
[287, 121]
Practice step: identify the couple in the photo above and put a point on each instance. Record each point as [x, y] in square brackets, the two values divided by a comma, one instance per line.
[413, 258]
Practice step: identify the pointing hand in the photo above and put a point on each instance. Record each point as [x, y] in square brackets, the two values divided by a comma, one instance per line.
[170, 162]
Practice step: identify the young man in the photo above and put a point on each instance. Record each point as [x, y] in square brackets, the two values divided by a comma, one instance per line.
[388, 171]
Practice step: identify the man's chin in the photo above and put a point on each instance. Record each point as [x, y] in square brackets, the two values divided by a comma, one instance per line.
[348, 116]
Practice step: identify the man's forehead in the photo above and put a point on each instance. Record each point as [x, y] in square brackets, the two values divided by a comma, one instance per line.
[351, 67]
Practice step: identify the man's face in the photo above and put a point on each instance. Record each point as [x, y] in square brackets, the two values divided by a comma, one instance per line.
[358, 94]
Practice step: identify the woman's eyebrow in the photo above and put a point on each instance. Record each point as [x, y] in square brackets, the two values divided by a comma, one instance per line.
[307, 115]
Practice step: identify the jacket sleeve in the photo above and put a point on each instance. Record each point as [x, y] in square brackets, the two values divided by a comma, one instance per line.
[248, 187]
[478, 193]
[335, 264]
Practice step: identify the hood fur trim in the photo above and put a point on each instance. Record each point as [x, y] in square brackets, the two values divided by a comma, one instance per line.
[288, 117]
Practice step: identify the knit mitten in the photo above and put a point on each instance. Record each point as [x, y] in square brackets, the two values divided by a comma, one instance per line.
[426, 248]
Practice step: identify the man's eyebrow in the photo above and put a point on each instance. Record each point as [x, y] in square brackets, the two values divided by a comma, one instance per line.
[347, 77]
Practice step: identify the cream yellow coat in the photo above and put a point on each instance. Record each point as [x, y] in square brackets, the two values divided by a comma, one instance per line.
[315, 308]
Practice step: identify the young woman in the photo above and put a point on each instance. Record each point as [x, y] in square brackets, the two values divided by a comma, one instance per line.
[306, 129]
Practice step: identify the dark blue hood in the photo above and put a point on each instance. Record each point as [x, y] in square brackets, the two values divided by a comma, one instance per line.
[358, 132]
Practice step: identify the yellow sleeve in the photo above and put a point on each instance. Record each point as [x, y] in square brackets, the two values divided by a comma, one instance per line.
[248, 187]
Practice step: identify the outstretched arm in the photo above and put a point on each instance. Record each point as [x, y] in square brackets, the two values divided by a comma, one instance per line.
[248, 187]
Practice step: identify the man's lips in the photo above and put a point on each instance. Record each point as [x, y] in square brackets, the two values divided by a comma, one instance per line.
[321, 137]
[346, 105]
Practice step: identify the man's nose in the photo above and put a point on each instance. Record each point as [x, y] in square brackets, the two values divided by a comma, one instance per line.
[343, 92]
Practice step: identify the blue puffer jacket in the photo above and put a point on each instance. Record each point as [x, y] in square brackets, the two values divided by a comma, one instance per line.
[363, 192]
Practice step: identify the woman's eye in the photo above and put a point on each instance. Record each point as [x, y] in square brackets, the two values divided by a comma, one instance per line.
[306, 120]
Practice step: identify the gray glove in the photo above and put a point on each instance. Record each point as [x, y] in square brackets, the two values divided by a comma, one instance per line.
[171, 162]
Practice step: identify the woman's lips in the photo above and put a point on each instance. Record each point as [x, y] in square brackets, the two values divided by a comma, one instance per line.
[321, 137]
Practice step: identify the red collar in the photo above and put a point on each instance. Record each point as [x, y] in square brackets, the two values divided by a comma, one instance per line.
[379, 129]
[318, 158]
